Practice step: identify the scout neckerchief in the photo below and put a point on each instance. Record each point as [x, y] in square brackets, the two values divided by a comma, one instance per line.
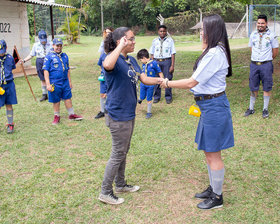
[261, 34]
[45, 51]
[135, 78]
[127, 60]
[3, 78]
[146, 67]
[161, 43]
[59, 55]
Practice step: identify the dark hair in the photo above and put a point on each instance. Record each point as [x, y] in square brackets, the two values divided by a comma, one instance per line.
[215, 34]
[104, 31]
[162, 26]
[143, 53]
[110, 42]
[263, 17]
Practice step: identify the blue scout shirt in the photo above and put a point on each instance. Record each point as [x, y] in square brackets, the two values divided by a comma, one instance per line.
[211, 72]
[100, 61]
[262, 44]
[7, 64]
[162, 48]
[121, 89]
[151, 68]
[57, 67]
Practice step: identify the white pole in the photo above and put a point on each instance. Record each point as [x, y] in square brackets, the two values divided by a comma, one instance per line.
[101, 5]
[247, 20]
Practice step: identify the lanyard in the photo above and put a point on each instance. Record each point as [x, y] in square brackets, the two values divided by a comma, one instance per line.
[3, 78]
[45, 51]
[146, 67]
[59, 55]
[161, 43]
[135, 77]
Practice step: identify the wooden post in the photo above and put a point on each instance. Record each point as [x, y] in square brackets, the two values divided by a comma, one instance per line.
[51, 15]
[25, 74]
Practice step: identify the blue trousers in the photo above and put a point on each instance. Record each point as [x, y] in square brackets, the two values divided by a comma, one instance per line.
[164, 66]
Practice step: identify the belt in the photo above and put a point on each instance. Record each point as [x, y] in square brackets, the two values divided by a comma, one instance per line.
[208, 97]
[260, 62]
[162, 59]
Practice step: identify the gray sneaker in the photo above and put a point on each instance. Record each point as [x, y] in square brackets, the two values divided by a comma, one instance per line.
[110, 199]
[127, 188]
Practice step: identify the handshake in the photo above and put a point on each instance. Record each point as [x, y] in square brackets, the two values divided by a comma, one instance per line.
[163, 82]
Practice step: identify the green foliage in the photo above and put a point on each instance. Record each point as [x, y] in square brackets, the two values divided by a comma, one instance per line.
[72, 36]
[182, 22]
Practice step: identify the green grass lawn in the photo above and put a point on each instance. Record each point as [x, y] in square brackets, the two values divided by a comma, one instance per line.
[52, 174]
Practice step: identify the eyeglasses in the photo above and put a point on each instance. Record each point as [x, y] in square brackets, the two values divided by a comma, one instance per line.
[131, 39]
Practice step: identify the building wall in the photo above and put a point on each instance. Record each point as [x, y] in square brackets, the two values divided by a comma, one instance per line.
[14, 27]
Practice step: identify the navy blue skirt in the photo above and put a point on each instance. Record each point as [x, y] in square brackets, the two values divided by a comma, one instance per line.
[215, 130]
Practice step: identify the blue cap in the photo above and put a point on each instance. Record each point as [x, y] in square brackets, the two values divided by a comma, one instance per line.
[3, 46]
[57, 41]
[42, 36]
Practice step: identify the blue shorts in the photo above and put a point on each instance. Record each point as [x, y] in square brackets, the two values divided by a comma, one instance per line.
[103, 87]
[39, 66]
[146, 91]
[10, 95]
[62, 91]
[214, 130]
[260, 73]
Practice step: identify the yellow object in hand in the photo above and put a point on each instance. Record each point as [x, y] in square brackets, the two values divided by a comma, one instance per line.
[52, 87]
[194, 110]
[2, 91]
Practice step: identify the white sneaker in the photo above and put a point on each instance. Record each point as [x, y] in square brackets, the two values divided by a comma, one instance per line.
[127, 188]
[110, 199]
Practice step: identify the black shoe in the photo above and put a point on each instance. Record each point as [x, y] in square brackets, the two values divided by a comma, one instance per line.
[214, 201]
[139, 101]
[44, 97]
[265, 113]
[205, 194]
[156, 100]
[248, 112]
[169, 101]
[99, 115]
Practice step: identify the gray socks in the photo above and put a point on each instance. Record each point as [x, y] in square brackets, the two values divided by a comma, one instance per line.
[70, 111]
[218, 180]
[210, 176]
[10, 116]
[252, 102]
[44, 90]
[102, 104]
[149, 108]
[265, 102]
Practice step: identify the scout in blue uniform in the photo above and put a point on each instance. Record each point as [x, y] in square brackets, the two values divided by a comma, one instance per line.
[8, 95]
[264, 47]
[151, 69]
[40, 50]
[101, 78]
[58, 81]
[163, 51]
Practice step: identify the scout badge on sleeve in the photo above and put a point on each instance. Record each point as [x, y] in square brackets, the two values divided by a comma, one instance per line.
[194, 110]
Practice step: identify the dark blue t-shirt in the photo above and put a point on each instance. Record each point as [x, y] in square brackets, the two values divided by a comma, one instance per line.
[121, 89]
[100, 61]
[9, 65]
[58, 72]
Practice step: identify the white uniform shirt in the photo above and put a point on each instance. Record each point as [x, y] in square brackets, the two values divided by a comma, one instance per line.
[262, 44]
[101, 47]
[162, 48]
[39, 50]
[211, 72]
